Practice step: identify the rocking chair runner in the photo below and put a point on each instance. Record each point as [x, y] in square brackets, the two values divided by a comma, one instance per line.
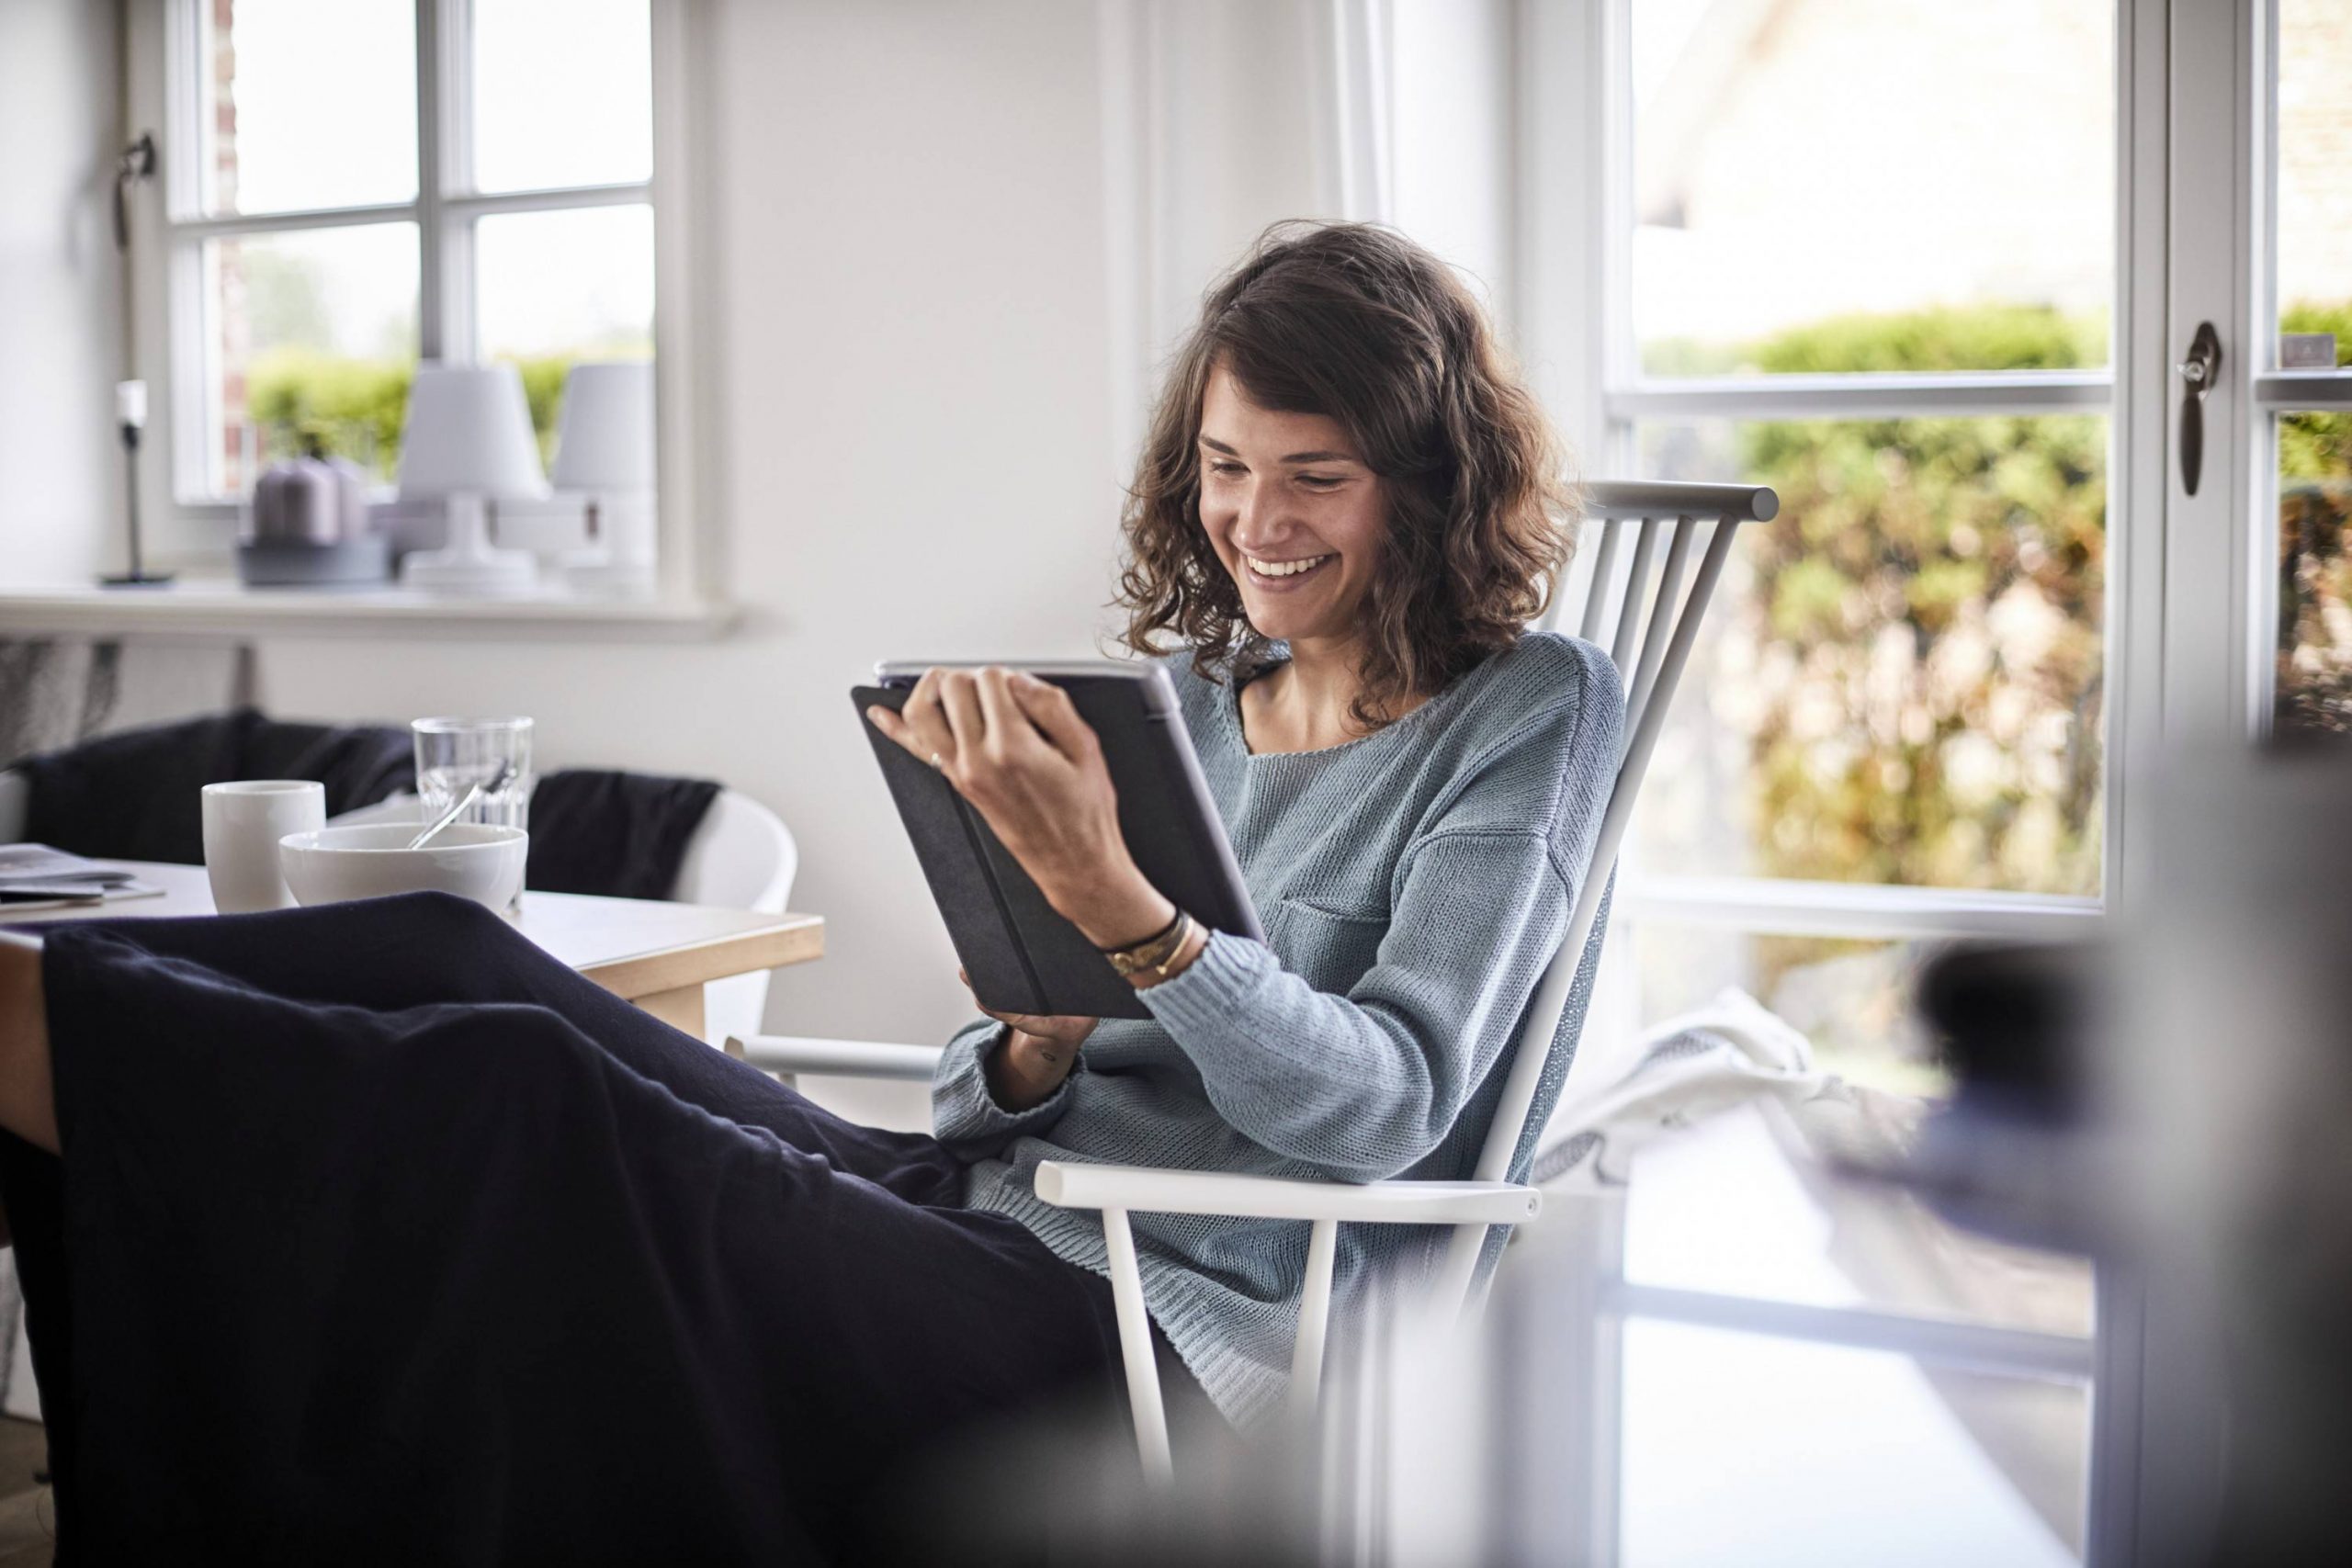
[1649, 618]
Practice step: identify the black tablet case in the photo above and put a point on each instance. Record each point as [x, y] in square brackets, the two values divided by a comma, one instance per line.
[1021, 956]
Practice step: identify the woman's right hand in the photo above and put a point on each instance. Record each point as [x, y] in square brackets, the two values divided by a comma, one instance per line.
[1038, 1053]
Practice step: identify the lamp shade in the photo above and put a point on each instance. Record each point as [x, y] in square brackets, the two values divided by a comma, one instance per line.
[468, 433]
[605, 441]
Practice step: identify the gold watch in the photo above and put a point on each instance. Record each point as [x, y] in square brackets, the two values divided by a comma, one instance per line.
[1155, 952]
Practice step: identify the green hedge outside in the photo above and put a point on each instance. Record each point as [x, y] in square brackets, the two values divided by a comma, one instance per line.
[357, 407]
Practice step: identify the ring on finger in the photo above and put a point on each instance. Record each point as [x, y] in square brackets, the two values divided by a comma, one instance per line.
[939, 762]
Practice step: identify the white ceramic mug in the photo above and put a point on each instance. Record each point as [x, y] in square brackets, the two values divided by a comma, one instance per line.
[242, 822]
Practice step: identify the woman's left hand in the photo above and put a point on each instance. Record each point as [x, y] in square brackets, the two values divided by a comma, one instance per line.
[1015, 747]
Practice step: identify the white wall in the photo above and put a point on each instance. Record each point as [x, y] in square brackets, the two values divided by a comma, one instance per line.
[60, 290]
[1238, 100]
[1454, 80]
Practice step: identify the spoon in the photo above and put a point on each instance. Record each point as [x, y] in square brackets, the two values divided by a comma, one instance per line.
[495, 783]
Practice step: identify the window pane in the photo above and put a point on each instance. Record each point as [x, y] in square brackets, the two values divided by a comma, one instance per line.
[1900, 681]
[1802, 167]
[1738, 1448]
[2314, 163]
[563, 93]
[306, 105]
[557, 287]
[314, 328]
[2315, 690]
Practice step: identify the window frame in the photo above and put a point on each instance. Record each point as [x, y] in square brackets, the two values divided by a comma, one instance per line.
[170, 332]
[1577, 335]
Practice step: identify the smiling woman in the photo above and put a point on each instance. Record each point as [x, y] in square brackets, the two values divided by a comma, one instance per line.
[1344, 423]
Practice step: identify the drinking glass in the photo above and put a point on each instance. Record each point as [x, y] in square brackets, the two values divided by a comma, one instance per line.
[453, 753]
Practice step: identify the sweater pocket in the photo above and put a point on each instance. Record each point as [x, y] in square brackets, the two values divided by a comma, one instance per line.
[1330, 949]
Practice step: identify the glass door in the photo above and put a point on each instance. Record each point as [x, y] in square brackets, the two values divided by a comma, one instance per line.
[2236, 402]
[2258, 603]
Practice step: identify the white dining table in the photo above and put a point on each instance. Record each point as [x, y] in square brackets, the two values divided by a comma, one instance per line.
[655, 953]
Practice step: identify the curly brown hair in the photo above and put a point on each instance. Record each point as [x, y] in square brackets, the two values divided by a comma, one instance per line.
[1359, 324]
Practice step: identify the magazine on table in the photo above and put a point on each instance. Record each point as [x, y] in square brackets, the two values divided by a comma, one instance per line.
[34, 876]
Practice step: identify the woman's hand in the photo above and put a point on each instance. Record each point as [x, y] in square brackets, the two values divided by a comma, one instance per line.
[1038, 1053]
[1015, 747]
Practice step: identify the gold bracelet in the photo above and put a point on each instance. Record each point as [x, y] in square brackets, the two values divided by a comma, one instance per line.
[1177, 963]
[1175, 918]
[1153, 953]
[1159, 971]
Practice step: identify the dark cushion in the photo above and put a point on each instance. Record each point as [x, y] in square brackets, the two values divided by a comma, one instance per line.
[623, 835]
[136, 794]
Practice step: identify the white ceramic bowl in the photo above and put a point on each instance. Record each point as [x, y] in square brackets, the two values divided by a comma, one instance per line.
[472, 860]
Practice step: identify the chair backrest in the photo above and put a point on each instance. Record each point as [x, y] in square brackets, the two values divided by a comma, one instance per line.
[1645, 606]
[741, 857]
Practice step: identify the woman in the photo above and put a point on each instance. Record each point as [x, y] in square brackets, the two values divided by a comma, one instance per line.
[375, 1229]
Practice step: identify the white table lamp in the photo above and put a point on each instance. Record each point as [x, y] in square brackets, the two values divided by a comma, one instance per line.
[604, 444]
[468, 440]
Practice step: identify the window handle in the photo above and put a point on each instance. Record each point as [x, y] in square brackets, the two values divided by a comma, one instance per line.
[137, 161]
[2198, 373]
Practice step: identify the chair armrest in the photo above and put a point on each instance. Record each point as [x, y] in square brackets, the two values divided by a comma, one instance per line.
[846, 1058]
[1075, 1186]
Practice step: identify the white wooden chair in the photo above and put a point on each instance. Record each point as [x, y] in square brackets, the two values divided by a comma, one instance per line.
[1651, 622]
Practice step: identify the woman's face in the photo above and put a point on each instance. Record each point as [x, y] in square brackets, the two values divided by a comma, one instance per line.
[1293, 512]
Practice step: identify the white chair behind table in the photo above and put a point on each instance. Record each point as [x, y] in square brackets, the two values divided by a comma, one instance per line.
[1639, 606]
[741, 856]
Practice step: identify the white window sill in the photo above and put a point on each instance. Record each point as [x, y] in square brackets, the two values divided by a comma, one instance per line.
[1785, 906]
[213, 605]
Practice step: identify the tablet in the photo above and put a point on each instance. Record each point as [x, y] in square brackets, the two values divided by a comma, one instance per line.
[1021, 956]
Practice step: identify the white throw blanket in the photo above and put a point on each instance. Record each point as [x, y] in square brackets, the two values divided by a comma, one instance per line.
[1687, 1068]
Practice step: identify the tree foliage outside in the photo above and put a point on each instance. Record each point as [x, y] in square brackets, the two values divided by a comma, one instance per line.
[359, 407]
[2315, 637]
[1915, 669]
[355, 407]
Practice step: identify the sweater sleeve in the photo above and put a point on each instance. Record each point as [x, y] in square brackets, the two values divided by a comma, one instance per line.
[965, 1117]
[1365, 1085]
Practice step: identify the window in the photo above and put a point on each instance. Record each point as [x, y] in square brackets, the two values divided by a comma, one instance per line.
[355, 187]
[1868, 255]
[1853, 274]
[1839, 262]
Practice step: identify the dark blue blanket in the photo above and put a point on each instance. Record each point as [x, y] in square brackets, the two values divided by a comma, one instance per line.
[381, 1236]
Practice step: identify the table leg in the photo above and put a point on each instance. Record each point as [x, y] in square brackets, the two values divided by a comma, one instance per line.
[680, 1008]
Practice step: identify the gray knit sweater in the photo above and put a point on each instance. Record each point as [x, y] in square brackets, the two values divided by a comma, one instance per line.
[1413, 883]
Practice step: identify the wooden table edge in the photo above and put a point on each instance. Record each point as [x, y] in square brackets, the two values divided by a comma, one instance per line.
[795, 938]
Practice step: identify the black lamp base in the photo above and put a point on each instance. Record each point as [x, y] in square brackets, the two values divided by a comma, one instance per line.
[136, 580]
